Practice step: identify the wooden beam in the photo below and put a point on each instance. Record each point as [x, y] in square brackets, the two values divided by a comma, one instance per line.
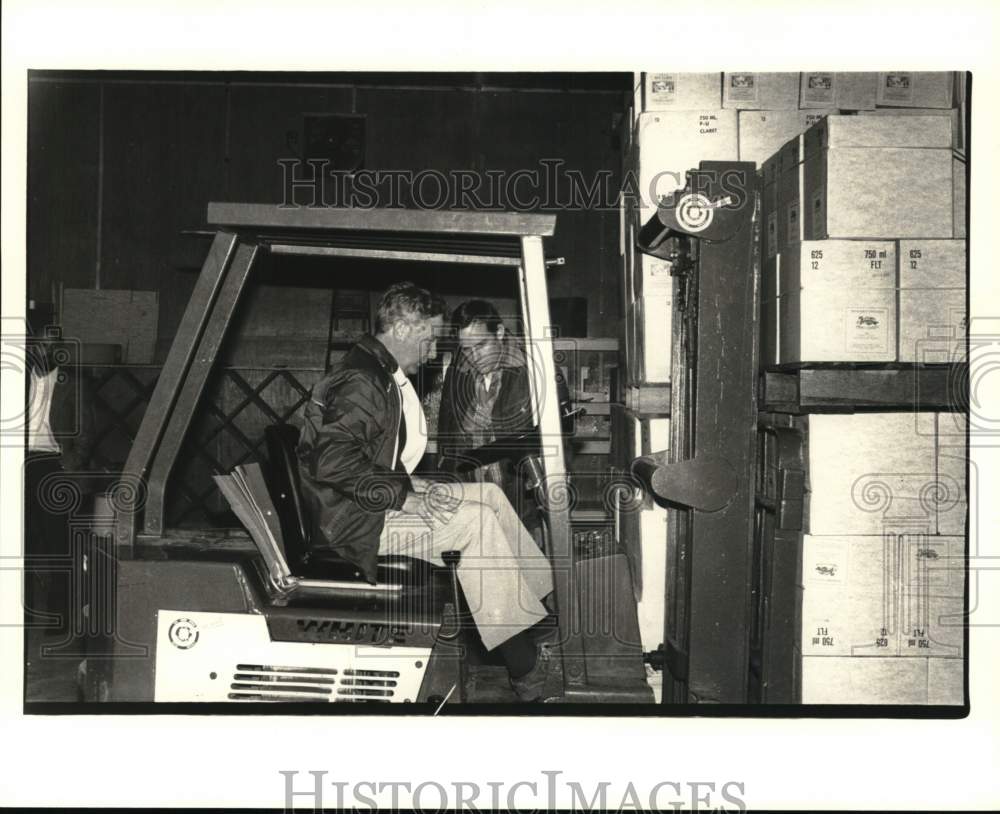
[273, 216]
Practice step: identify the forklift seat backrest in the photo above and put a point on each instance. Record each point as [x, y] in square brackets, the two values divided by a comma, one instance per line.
[286, 491]
[285, 487]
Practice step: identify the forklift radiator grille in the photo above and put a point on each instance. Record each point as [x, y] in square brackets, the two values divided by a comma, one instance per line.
[234, 658]
[262, 682]
[266, 683]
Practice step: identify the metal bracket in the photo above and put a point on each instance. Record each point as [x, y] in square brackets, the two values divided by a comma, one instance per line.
[785, 479]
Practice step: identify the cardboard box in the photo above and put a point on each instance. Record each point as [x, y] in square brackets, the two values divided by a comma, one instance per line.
[952, 500]
[838, 264]
[869, 473]
[877, 193]
[681, 91]
[932, 325]
[844, 90]
[932, 596]
[849, 597]
[946, 682]
[851, 623]
[789, 193]
[954, 115]
[769, 206]
[653, 322]
[962, 116]
[672, 143]
[952, 430]
[932, 565]
[848, 680]
[915, 89]
[763, 132]
[883, 595]
[931, 626]
[874, 177]
[652, 277]
[952, 464]
[959, 173]
[829, 325]
[760, 91]
[114, 316]
[932, 263]
[890, 131]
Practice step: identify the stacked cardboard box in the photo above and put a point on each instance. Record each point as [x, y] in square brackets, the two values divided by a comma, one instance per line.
[763, 132]
[877, 177]
[915, 89]
[681, 91]
[883, 564]
[760, 91]
[836, 302]
[854, 179]
[846, 91]
[672, 142]
[932, 308]
[679, 122]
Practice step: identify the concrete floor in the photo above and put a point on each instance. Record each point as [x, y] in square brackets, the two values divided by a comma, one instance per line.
[52, 667]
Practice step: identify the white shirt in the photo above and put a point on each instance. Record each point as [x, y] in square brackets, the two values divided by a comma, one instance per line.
[416, 424]
[40, 437]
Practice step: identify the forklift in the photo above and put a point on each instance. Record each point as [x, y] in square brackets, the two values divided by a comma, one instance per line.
[215, 615]
[210, 615]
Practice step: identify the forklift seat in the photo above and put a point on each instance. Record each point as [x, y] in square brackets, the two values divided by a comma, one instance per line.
[286, 492]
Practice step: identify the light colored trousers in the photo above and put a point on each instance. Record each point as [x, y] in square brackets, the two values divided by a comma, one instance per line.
[503, 574]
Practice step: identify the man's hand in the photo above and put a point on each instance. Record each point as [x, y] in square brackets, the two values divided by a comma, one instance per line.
[414, 503]
[430, 496]
[420, 485]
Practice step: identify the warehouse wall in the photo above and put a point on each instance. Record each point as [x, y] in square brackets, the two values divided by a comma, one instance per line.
[118, 166]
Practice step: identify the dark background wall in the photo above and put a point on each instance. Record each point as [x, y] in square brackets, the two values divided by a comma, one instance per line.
[120, 164]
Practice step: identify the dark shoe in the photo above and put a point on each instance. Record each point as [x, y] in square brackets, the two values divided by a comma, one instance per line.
[530, 686]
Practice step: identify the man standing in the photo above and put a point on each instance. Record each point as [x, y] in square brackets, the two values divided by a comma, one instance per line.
[364, 432]
[486, 397]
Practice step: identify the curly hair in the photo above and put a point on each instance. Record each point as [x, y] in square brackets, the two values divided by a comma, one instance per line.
[406, 301]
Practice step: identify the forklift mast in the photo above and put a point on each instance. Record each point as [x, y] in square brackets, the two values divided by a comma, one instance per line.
[710, 234]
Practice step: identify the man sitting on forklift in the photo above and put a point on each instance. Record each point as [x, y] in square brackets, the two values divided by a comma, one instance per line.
[364, 432]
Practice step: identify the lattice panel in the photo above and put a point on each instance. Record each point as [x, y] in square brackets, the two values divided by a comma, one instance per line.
[227, 429]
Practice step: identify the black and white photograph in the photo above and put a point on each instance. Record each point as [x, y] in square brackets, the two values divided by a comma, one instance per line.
[374, 396]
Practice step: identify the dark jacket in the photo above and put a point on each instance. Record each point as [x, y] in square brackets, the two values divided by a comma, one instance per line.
[348, 455]
[511, 416]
